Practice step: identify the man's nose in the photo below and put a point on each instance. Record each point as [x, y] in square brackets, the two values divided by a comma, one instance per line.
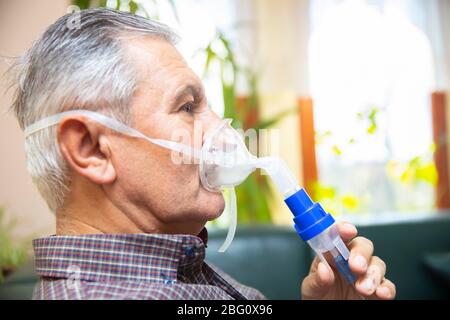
[210, 121]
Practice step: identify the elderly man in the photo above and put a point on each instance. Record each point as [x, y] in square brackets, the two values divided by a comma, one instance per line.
[129, 221]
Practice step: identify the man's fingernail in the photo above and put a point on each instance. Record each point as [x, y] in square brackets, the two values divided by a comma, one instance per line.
[360, 262]
[349, 226]
[384, 292]
[368, 284]
[323, 269]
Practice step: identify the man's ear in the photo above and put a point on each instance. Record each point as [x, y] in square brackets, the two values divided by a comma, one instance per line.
[86, 149]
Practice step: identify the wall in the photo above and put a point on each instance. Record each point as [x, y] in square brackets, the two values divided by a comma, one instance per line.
[21, 22]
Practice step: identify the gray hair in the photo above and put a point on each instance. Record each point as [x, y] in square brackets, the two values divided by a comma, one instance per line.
[72, 68]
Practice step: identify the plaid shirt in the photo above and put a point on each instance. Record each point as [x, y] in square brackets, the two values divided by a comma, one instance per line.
[131, 266]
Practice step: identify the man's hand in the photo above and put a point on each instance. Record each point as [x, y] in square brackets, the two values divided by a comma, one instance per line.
[325, 283]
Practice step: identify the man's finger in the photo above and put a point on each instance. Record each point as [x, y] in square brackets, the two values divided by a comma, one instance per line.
[361, 250]
[318, 283]
[386, 290]
[347, 231]
[371, 280]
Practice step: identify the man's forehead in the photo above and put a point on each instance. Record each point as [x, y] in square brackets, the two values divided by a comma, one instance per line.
[158, 60]
[150, 53]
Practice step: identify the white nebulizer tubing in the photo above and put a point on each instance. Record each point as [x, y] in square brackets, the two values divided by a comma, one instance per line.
[232, 208]
[280, 174]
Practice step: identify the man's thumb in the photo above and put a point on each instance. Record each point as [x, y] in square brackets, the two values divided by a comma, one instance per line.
[317, 284]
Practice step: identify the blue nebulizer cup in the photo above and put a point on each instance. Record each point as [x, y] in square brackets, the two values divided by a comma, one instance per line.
[313, 224]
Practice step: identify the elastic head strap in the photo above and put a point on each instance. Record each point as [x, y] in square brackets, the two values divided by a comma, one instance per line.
[112, 124]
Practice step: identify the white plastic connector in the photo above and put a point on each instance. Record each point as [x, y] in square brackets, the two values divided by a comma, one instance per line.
[280, 174]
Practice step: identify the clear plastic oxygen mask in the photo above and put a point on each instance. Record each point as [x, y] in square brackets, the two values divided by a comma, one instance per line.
[226, 162]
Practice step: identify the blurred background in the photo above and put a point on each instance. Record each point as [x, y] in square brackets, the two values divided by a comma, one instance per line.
[354, 91]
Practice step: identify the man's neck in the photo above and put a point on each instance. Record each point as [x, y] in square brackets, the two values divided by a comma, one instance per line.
[104, 218]
[89, 211]
[73, 226]
[92, 212]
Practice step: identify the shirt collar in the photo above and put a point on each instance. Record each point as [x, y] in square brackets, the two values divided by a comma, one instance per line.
[119, 257]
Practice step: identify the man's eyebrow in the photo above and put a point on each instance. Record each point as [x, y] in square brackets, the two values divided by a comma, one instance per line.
[194, 90]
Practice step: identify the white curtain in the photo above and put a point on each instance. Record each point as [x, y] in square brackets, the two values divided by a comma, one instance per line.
[430, 16]
[433, 18]
[387, 55]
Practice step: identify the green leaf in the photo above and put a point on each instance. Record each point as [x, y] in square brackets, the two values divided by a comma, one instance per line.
[275, 119]
[337, 151]
[415, 162]
[133, 7]
[230, 54]
[229, 99]
[210, 56]
[82, 4]
[321, 191]
[372, 129]
[418, 169]
[427, 173]
[373, 113]
[321, 137]
[350, 202]
[13, 253]
[372, 120]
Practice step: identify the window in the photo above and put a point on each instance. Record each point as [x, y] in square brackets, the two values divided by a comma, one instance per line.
[371, 76]
[197, 22]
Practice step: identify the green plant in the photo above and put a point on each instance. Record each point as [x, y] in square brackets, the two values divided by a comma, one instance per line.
[408, 175]
[420, 169]
[132, 6]
[333, 200]
[254, 194]
[12, 253]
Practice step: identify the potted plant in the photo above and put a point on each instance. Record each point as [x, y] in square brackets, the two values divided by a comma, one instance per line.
[13, 253]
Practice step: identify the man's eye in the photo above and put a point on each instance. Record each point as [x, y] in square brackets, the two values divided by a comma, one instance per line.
[188, 107]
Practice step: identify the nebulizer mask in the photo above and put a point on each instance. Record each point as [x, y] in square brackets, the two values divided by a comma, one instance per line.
[224, 161]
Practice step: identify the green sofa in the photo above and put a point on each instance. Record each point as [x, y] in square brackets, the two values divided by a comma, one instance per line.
[275, 260]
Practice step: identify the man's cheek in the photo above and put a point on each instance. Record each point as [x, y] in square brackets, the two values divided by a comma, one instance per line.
[187, 172]
[191, 179]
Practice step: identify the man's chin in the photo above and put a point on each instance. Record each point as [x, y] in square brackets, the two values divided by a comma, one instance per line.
[214, 206]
